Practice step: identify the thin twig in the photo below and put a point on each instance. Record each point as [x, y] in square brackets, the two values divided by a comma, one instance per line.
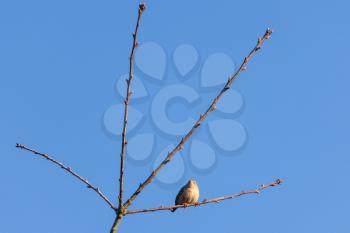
[215, 200]
[126, 102]
[120, 213]
[202, 117]
[70, 171]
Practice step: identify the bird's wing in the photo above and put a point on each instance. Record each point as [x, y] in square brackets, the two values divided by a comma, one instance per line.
[179, 196]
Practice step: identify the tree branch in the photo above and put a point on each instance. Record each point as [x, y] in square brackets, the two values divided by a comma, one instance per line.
[204, 202]
[120, 212]
[126, 102]
[211, 108]
[70, 171]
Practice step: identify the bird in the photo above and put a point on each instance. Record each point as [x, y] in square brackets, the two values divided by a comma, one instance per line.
[188, 194]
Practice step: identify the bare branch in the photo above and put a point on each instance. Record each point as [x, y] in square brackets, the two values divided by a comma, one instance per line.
[120, 213]
[202, 117]
[204, 202]
[70, 171]
[126, 102]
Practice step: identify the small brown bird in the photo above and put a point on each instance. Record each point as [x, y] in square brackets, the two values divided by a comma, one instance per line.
[188, 194]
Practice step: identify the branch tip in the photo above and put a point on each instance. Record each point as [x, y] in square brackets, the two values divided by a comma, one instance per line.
[279, 181]
[142, 8]
[268, 32]
[19, 146]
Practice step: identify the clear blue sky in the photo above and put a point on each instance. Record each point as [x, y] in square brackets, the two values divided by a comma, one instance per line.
[59, 62]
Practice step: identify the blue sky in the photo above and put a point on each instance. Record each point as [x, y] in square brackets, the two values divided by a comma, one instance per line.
[59, 62]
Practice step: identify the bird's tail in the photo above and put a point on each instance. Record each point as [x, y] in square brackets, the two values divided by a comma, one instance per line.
[173, 210]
